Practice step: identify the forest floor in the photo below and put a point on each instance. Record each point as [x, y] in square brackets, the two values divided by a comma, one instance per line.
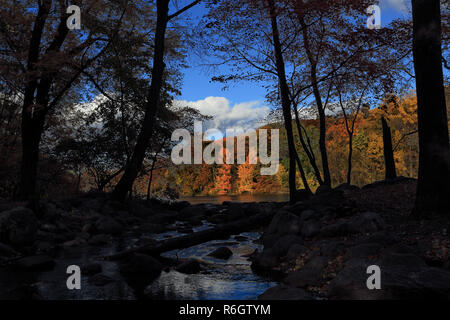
[318, 248]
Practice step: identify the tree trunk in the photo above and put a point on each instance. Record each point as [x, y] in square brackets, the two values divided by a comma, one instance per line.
[433, 193]
[135, 164]
[149, 187]
[32, 128]
[309, 153]
[389, 162]
[349, 159]
[286, 105]
[319, 103]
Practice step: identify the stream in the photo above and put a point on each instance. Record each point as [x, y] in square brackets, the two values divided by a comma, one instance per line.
[232, 279]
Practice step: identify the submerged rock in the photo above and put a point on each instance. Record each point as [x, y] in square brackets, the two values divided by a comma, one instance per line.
[222, 253]
[191, 266]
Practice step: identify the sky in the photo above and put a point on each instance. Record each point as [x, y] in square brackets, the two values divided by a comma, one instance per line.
[242, 105]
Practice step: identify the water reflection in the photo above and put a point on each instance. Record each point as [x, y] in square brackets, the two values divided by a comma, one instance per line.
[230, 279]
[247, 197]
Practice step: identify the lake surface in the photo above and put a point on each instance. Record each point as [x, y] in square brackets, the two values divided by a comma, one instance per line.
[247, 197]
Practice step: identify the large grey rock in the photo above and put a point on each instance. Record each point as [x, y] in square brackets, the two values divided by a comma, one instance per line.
[283, 223]
[18, 226]
[108, 225]
[367, 222]
[190, 266]
[35, 263]
[407, 278]
[283, 292]
[221, 253]
[304, 277]
[362, 251]
[310, 228]
[141, 264]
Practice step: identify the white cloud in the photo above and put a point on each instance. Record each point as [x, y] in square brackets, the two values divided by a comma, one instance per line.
[244, 115]
[398, 5]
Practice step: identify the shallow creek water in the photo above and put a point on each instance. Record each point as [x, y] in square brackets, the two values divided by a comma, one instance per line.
[219, 279]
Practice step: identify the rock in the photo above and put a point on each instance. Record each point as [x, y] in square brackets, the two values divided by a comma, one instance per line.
[151, 228]
[241, 238]
[347, 187]
[18, 226]
[74, 243]
[283, 292]
[382, 238]
[221, 253]
[191, 266]
[333, 248]
[362, 251]
[304, 277]
[283, 244]
[270, 257]
[91, 269]
[336, 230]
[397, 282]
[108, 225]
[317, 263]
[35, 263]
[87, 228]
[367, 222]
[310, 228]
[140, 264]
[6, 251]
[323, 189]
[307, 215]
[295, 251]
[283, 223]
[101, 280]
[99, 239]
[412, 261]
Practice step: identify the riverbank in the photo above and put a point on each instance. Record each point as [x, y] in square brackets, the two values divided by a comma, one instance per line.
[318, 248]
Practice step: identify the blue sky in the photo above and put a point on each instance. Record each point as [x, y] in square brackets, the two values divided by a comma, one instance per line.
[243, 104]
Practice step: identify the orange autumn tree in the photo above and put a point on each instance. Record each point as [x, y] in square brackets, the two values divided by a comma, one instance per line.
[223, 177]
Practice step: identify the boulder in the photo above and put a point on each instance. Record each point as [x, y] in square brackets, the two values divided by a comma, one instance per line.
[304, 277]
[7, 251]
[367, 222]
[283, 292]
[403, 276]
[362, 251]
[338, 229]
[100, 280]
[283, 223]
[18, 226]
[108, 225]
[191, 266]
[295, 251]
[99, 239]
[139, 264]
[310, 228]
[221, 253]
[91, 269]
[35, 263]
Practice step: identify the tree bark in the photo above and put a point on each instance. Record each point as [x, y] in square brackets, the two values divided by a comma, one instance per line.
[135, 164]
[389, 162]
[433, 193]
[286, 106]
[349, 159]
[309, 152]
[319, 103]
